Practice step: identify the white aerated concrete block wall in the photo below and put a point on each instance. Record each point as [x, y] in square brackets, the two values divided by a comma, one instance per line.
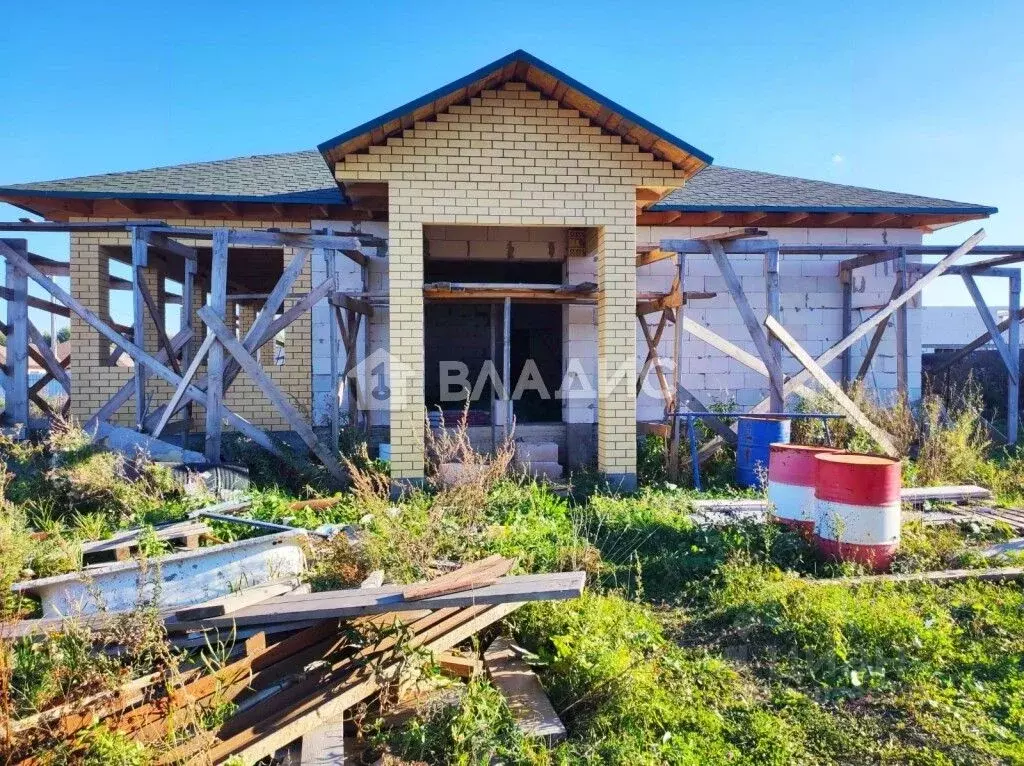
[811, 311]
[350, 280]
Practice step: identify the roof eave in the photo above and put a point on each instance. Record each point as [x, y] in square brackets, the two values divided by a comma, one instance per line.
[976, 210]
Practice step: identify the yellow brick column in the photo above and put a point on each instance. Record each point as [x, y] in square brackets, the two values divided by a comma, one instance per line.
[616, 332]
[405, 325]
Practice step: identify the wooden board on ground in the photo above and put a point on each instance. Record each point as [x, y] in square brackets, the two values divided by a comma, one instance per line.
[474, 575]
[232, 602]
[999, 574]
[1012, 516]
[535, 715]
[952, 494]
[122, 543]
[355, 602]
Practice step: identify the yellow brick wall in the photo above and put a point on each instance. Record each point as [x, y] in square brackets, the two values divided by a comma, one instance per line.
[512, 157]
[93, 382]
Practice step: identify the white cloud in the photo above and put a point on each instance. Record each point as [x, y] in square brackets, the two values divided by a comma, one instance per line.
[838, 159]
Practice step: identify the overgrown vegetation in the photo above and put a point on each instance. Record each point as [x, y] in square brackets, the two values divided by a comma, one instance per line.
[693, 644]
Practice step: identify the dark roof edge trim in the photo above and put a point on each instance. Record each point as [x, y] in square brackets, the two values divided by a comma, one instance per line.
[908, 210]
[519, 55]
[285, 198]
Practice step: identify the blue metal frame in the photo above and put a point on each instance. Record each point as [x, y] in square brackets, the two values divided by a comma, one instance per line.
[693, 417]
[515, 56]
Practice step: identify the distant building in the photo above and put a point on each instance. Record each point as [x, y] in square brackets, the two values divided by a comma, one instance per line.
[948, 328]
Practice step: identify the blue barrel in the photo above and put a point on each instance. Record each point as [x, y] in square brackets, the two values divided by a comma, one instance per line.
[756, 435]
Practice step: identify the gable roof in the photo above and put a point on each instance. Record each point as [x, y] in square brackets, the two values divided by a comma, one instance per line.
[520, 66]
[718, 188]
[294, 177]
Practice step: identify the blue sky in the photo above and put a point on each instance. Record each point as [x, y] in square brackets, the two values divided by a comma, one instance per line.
[922, 97]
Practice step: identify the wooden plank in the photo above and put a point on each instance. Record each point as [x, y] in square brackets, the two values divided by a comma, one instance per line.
[232, 602]
[125, 392]
[334, 412]
[130, 538]
[648, 257]
[876, 338]
[327, 705]
[16, 377]
[953, 494]
[357, 602]
[161, 241]
[260, 331]
[862, 329]
[774, 305]
[846, 375]
[324, 746]
[141, 356]
[732, 235]
[140, 260]
[215, 357]
[474, 575]
[998, 574]
[990, 324]
[186, 380]
[902, 329]
[38, 303]
[44, 353]
[1013, 380]
[978, 342]
[459, 665]
[352, 303]
[845, 403]
[754, 328]
[869, 259]
[534, 714]
[158, 323]
[271, 391]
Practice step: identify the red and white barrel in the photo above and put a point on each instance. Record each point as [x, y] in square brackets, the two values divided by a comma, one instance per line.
[858, 508]
[791, 472]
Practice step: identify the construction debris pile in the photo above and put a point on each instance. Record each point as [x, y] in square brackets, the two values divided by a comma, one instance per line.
[294, 666]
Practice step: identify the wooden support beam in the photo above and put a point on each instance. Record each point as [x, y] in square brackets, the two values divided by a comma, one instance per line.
[1013, 379]
[990, 324]
[876, 339]
[140, 260]
[125, 392]
[846, 283]
[773, 298]
[140, 355]
[187, 322]
[648, 257]
[977, 343]
[732, 235]
[186, 381]
[287, 410]
[215, 359]
[334, 414]
[677, 374]
[902, 328]
[38, 303]
[754, 328]
[44, 355]
[818, 373]
[352, 303]
[158, 322]
[162, 242]
[506, 369]
[16, 378]
[869, 259]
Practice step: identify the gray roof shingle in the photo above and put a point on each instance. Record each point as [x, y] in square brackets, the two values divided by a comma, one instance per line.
[722, 188]
[304, 178]
[297, 177]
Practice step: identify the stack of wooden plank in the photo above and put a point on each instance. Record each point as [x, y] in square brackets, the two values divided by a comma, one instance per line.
[308, 658]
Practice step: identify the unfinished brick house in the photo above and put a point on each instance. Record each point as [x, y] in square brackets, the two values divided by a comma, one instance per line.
[513, 216]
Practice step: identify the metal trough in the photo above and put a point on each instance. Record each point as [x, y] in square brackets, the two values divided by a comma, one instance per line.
[177, 579]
